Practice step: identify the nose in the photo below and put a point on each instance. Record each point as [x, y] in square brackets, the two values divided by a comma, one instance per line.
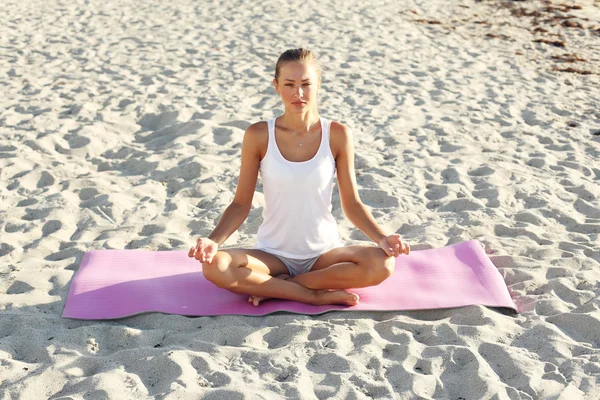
[298, 93]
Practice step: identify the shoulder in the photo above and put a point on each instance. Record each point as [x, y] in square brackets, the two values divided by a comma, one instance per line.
[341, 137]
[258, 128]
[339, 129]
[340, 133]
[256, 137]
[257, 132]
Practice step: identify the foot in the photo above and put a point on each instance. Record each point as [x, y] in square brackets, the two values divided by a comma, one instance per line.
[336, 297]
[255, 300]
[323, 297]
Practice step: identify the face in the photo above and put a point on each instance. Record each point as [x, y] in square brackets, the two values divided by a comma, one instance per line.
[298, 86]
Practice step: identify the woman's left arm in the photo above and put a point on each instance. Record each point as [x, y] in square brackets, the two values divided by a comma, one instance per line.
[354, 209]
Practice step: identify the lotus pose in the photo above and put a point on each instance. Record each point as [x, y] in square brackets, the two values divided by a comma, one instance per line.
[298, 255]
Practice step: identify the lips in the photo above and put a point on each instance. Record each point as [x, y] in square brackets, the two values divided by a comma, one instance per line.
[299, 102]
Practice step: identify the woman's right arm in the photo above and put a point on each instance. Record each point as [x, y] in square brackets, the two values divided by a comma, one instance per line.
[237, 212]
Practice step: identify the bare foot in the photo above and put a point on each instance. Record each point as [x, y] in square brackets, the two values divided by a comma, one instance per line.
[336, 297]
[255, 300]
[323, 297]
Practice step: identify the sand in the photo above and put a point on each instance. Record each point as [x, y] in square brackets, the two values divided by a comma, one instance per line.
[121, 127]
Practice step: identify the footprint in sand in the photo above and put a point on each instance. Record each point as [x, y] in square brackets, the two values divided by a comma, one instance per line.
[27, 202]
[491, 195]
[19, 287]
[280, 336]
[327, 363]
[149, 230]
[576, 166]
[157, 121]
[536, 162]
[239, 124]
[204, 370]
[51, 227]
[506, 231]
[484, 170]
[451, 175]
[436, 192]
[8, 151]
[222, 136]
[378, 198]
[458, 205]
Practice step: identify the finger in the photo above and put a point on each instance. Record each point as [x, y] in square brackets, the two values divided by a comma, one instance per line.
[191, 252]
[406, 249]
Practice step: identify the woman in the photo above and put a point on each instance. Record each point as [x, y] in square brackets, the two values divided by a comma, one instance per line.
[298, 255]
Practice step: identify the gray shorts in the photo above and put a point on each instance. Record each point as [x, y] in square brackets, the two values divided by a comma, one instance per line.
[298, 266]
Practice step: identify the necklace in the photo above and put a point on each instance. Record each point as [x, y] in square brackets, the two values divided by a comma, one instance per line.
[296, 134]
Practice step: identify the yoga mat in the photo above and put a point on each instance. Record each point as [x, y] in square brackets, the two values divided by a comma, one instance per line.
[119, 283]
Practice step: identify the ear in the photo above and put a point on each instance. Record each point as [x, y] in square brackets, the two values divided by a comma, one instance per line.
[276, 85]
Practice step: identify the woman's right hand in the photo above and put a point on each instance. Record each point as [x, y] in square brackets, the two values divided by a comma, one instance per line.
[204, 251]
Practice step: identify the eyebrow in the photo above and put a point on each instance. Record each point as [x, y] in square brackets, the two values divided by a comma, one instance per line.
[291, 80]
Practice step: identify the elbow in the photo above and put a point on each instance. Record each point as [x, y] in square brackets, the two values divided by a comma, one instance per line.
[240, 208]
[350, 208]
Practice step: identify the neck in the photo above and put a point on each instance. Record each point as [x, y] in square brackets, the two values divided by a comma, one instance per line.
[300, 122]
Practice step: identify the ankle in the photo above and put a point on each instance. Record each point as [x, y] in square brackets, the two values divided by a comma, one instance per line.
[314, 298]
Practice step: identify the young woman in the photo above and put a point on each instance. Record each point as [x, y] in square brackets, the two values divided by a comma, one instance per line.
[298, 255]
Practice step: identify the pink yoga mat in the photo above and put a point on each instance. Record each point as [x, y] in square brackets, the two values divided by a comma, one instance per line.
[119, 283]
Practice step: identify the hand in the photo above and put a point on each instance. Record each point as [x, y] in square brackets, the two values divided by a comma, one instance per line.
[204, 251]
[393, 246]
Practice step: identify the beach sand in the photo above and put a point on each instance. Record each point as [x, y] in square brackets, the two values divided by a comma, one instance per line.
[121, 126]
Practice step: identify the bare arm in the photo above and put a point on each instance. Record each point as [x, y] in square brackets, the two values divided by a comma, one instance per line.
[237, 212]
[354, 209]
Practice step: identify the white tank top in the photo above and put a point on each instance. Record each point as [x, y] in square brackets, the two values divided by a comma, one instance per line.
[297, 217]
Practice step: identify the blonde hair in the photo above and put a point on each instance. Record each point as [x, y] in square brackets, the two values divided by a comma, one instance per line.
[298, 55]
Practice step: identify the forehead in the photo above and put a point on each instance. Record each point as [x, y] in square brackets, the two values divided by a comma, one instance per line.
[297, 71]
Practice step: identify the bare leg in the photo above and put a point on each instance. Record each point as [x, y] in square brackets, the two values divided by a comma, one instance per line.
[240, 272]
[343, 275]
[348, 267]
[255, 300]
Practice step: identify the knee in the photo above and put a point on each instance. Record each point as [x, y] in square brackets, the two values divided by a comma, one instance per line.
[389, 265]
[216, 271]
[383, 267]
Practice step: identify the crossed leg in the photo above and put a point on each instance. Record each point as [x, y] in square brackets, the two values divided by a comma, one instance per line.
[251, 272]
[348, 267]
[344, 268]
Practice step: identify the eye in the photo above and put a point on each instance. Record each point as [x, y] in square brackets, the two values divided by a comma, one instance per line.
[288, 84]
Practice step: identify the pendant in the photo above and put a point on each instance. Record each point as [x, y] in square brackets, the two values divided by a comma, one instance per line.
[300, 144]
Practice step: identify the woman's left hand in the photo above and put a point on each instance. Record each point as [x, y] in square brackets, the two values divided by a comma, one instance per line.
[393, 246]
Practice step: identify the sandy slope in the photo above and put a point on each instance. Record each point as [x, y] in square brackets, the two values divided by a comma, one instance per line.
[121, 127]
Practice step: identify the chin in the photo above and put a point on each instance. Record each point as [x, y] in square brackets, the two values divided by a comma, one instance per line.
[304, 106]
